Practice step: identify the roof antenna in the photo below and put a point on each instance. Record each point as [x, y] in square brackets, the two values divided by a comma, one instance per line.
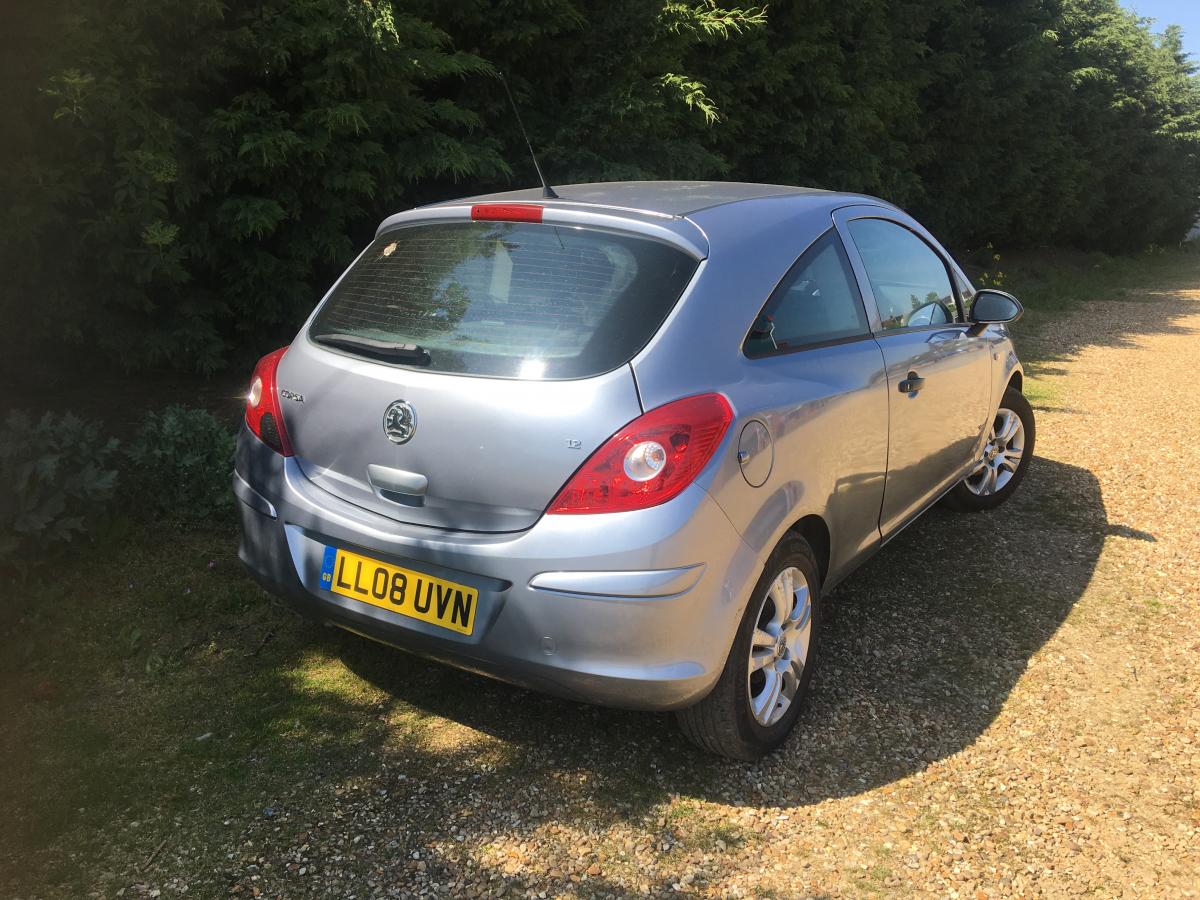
[547, 191]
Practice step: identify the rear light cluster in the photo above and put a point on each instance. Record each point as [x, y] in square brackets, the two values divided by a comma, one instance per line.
[263, 414]
[650, 460]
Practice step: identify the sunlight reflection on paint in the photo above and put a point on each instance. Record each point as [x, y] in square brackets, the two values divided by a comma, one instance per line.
[532, 368]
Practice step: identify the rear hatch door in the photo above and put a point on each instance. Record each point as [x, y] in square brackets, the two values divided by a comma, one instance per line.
[460, 371]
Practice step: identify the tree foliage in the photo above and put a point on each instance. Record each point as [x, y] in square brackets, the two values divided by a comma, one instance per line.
[182, 179]
[58, 481]
[178, 466]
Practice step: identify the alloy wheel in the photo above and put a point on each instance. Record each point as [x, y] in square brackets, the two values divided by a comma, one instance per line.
[779, 646]
[1001, 455]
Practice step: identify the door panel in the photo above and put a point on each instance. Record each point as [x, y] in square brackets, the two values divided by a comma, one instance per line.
[935, 431]
[938, 374]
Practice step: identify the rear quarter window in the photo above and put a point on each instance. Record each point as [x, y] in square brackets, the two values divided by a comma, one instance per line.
[509, 299]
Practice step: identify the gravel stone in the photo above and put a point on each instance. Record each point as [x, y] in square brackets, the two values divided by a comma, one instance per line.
[1008, 704]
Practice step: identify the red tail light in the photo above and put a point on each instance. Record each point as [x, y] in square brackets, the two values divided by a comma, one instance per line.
[506, 212]
[263, 414]
[650, 460]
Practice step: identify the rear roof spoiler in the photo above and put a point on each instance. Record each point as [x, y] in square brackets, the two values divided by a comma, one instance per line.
[678, 231]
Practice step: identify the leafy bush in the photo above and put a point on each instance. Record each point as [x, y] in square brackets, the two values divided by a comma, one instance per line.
[183, 176]
[179, 465]
[56, 478]
[180, 176]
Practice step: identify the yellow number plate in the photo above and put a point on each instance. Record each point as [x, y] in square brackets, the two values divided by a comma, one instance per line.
[403, 591]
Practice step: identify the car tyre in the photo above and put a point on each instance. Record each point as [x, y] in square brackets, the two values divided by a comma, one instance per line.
[738, 719]
[1004, 460]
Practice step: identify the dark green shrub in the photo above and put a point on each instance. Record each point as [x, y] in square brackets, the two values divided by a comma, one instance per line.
[56, 478]
[179, 174]
[182, 180]
[179, 466]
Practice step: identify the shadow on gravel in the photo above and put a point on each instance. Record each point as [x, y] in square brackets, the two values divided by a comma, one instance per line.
[186, 701]
[922, 646]
[1063, 338]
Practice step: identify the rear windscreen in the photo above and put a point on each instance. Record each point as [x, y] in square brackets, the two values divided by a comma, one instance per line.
[509, 299]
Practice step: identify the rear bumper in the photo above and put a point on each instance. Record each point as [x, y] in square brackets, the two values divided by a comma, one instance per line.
[635, 610]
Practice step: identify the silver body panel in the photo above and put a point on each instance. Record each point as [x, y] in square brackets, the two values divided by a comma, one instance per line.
[633, 609]
[583, 606]
[470, 433]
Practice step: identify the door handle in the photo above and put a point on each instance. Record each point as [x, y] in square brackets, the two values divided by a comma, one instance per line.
[398, 481]
[911, 384]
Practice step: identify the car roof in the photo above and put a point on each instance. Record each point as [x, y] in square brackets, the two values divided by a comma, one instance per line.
[667, 198]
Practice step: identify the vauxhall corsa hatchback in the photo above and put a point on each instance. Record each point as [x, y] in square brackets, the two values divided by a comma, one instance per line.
[619, 444]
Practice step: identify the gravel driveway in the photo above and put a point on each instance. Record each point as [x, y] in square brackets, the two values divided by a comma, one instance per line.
[1009, 704]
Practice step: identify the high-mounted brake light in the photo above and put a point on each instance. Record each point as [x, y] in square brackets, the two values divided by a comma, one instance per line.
[263, 413]
[506, 212]
[650, 460]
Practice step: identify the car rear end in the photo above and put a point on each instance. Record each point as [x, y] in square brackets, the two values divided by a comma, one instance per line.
[453, 457]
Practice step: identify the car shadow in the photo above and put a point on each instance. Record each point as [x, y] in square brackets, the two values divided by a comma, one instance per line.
[921, 648]
[1045, 351]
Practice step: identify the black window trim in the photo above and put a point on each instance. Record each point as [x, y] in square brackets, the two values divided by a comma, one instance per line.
[950, 275]
[812, 345]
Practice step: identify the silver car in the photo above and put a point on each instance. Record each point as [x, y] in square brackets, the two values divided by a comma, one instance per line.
[618, 445]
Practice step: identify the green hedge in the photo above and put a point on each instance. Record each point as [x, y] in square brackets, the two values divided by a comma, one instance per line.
[179, 467]
[58, 477]
[183, 178]
[66, 481]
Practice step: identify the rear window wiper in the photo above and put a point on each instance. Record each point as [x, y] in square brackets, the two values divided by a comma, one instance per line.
[391, 351]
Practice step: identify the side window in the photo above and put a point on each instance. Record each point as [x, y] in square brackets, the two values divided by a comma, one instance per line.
[909, 280]
[817, 301]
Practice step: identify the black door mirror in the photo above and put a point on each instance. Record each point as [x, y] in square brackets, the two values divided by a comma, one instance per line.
[992, 307]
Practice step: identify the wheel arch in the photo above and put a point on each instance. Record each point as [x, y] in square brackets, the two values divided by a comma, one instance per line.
[814, 530]
[1017, 381]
